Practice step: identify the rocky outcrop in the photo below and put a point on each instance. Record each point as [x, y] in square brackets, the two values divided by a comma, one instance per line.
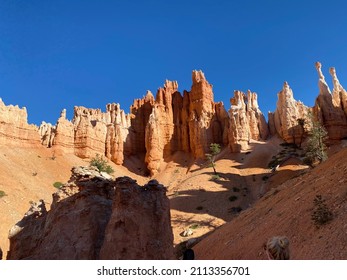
[64, 134]
[201, 113]
[328, 108]
[47, 133]
[94, 217]
[90, 132]
[140, 226]
[157, 127]
[246, 121]
[188, 123]
[14, 127]
[285, 121]
[159, 133]
[140, 112]
[339, 93]
[118, 125]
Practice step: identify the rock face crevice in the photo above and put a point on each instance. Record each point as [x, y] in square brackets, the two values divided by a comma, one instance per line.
[93, 217]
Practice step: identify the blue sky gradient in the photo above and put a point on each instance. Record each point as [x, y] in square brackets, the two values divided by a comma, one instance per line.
[57, 54]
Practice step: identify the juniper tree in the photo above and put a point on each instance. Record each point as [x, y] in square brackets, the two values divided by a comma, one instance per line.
[214, 150]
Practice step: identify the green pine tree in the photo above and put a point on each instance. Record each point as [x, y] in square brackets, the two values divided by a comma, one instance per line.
[316, 149]
[214, 150]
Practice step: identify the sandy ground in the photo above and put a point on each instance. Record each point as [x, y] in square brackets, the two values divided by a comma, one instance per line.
[199, 200]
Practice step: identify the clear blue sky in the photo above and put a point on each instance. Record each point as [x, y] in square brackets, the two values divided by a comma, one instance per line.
[57, 54]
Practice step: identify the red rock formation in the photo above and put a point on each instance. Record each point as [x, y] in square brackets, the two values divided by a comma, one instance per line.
[90, 132]
[339, 93]
[189, 123]
[14, 127]
[47, 133]
[201, 113]
[64, 135]
[285, 118]
[140, 112]
[93, 217]
[246, 121]
[328, 109]
[160, 128]
[117, 133]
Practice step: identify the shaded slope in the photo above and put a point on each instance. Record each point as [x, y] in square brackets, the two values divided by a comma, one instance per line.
[286, 210]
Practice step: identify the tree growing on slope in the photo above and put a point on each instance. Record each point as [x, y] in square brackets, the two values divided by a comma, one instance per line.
[316, 149]
[214, 150]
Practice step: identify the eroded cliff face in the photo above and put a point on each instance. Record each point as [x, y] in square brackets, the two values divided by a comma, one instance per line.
[159, 126]
[329, 108]
[246, 121]
[14, 127]
[94, 217]
[64, 138]
[285, 121]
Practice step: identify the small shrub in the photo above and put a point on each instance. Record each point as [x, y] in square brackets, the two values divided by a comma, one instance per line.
[58, 185]
[236, 189]
[176, 171]
[194, 226]
[2, 194]
[233, 198]
[34, 173]
[321, 214]
[215, 177]
[101, 164]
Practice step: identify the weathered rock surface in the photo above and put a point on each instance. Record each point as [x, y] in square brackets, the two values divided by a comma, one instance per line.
[246, 121]
[140, 226]
[201, 113]
[159, 133]
[118, 124]
[188, 123]
[157, 127]
[90, 132]
[64, 134]
[286, 118]
[93, 217]
[14, 127]
[328, 108]
[47, 133]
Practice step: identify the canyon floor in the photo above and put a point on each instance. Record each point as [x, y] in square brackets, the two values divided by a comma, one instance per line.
[270, 202]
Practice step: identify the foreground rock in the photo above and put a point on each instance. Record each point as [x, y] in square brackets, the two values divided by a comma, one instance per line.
[93, 217]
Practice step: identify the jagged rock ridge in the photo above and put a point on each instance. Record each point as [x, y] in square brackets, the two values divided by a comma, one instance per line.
[159, 126]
